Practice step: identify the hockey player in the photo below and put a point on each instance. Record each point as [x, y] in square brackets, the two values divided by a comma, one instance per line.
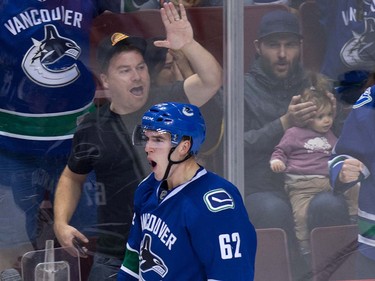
[102, 142]
[46, 87]
[354, 161]
[189, 224]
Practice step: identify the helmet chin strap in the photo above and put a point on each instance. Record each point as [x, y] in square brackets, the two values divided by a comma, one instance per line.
[171, 162]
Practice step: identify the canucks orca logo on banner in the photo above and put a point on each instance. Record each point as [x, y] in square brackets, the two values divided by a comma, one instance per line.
[39, 59]
[359, 51]
[149, 261]
[218, 200]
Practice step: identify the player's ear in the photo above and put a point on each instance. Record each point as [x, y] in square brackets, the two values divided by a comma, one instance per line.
[185, 146]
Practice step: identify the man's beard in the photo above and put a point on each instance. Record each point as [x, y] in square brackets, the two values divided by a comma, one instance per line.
[269, 69]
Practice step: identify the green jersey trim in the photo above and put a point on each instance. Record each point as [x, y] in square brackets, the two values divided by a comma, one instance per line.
[41, 126]
[131, 261]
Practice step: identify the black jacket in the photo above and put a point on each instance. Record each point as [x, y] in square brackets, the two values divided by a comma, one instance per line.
[266, 100]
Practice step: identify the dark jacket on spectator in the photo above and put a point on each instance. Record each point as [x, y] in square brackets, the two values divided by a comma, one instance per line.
[266, 100]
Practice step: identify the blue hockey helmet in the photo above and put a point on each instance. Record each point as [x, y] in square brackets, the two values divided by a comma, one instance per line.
[178, 119]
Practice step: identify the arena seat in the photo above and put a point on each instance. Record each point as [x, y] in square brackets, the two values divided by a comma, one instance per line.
[333, 251]
[272, 257]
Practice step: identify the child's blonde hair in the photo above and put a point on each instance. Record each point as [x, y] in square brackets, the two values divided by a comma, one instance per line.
[317, 90]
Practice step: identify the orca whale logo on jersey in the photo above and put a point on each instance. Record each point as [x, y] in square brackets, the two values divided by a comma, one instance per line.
[39, 59]
[363, 99]
[218, 200]
[359, 51]
[149, 261]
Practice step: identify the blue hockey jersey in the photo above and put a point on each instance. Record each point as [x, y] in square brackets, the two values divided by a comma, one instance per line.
[199, 231]
[357, 140]
[350, 31]
[45, 83]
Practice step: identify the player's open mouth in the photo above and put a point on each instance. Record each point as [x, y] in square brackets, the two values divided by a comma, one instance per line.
[153, 164]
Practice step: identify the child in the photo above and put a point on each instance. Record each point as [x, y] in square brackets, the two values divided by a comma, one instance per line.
[303, 155]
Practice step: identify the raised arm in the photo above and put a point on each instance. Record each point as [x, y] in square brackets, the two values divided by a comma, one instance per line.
[202, 85]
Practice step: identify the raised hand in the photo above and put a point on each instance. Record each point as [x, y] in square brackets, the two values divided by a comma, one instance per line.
[177, 26]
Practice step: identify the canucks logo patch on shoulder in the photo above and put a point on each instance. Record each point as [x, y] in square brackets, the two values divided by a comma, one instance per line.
[218, 200]
[363, 99]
